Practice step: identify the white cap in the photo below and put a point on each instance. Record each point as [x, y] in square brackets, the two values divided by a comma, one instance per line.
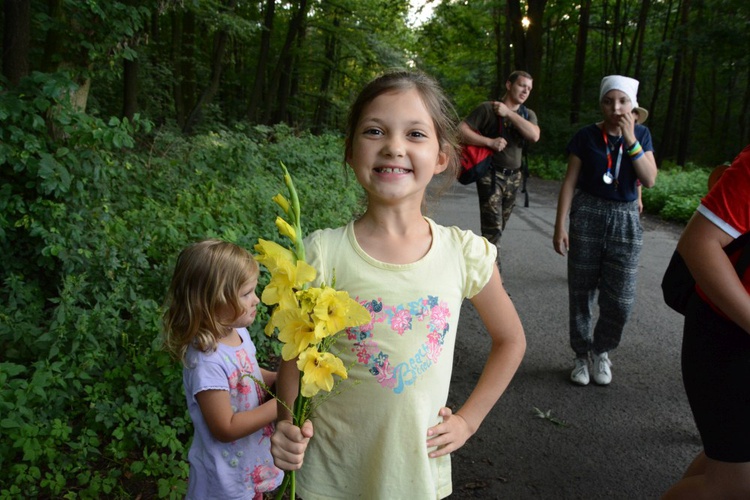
[622, 83]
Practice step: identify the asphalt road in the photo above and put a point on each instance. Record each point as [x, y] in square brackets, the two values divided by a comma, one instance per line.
[629, 440]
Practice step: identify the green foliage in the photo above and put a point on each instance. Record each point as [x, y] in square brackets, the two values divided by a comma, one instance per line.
[547, 168]
[92, 215]
[677, 192]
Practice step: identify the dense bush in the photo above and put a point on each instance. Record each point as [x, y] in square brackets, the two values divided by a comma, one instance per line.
[90, 225]
[677, 192]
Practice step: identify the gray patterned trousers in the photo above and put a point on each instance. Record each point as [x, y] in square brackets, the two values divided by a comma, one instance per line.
[606, 238]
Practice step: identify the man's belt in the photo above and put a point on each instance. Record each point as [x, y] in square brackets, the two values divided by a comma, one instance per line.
[507, 172]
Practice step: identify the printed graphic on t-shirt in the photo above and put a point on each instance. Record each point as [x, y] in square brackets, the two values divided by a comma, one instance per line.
[244, 392]
[425, 318]
[263, 477]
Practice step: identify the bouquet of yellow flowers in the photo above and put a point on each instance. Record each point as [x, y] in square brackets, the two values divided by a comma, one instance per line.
[307, 319]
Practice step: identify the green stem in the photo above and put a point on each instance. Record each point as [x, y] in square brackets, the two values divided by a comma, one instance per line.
[293, 489]
[288, 476]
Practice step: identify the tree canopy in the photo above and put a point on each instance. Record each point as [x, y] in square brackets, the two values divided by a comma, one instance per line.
[205, 63]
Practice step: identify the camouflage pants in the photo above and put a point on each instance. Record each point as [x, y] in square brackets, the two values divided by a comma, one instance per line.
[496, 203]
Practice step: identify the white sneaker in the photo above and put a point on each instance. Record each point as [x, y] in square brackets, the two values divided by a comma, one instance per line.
[602, 369]
[580, 374]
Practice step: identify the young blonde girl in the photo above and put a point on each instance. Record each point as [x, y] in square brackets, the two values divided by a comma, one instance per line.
[210, 303]
[387, 433]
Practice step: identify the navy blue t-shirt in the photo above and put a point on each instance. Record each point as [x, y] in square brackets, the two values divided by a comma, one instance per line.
[588, 145]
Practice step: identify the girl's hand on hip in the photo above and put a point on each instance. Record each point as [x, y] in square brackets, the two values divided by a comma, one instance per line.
[288, 444]
[449, 435]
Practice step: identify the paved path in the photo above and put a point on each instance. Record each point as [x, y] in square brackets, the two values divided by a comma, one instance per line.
[630, 440]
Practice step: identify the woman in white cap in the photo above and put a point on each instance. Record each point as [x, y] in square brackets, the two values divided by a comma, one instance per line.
[606, 161]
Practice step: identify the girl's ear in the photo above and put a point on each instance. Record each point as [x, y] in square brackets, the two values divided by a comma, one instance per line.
[442, 162]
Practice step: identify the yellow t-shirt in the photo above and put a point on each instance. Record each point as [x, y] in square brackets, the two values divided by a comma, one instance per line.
[370, 439]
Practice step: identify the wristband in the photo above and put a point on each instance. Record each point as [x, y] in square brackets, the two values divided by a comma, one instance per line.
[633, 158]
[635, 149]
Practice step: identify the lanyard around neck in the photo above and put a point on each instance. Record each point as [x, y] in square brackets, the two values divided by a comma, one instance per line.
[609, 157]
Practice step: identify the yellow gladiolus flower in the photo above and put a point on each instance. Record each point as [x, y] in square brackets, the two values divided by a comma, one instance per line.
[281, 201]
[274, 256]
[286, 229]
[318, 369]
[295, 332]
[287, 273]
[308, 298]
[334, 310]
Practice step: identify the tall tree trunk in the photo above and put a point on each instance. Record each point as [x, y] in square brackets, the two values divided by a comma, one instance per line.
[497, 28]
[508, 60]
[580, 61]
[16, 39]
[52, 38]
[295, 80]
[291, 35]
[672, 116]
[130, 88]
[258, 90]
[217, 65]
[616, 38]
[323, 107]
[534, 43]
[177, 88]
[688, 86]
[515, 18]
[183, 63]
[661, 60]
[187, 61]
[638, 40]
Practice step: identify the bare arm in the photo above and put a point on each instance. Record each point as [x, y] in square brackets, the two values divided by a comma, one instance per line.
[269, 377]
[645, 166]
[508, 347]
[470, 136]
[701, 245]
[227, 425]
[530, 131]
[289, 442]
[560, 239]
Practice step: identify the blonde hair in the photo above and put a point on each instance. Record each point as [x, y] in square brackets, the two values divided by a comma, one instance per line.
[207, 276]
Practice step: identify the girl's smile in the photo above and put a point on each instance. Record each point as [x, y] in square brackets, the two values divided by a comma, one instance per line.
[395, 142]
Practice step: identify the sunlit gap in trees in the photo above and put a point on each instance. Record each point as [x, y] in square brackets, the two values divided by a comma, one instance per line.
[420, 11]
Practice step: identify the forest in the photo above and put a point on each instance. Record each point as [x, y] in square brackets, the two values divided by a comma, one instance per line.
[199, 64]
[131, 128]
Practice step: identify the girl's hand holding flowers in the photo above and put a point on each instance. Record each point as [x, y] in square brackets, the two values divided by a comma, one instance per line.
[308, 321]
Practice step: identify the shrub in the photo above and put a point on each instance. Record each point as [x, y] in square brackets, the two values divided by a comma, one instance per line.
[91, 221]
[677, 192]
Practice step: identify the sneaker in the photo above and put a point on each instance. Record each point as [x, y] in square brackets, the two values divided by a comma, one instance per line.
[580, 374]
[602, 370]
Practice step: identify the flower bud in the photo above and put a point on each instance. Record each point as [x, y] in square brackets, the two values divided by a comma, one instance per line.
[281, 201]
[285, 229]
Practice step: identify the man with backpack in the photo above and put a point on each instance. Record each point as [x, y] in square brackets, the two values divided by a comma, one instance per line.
[504, 126]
